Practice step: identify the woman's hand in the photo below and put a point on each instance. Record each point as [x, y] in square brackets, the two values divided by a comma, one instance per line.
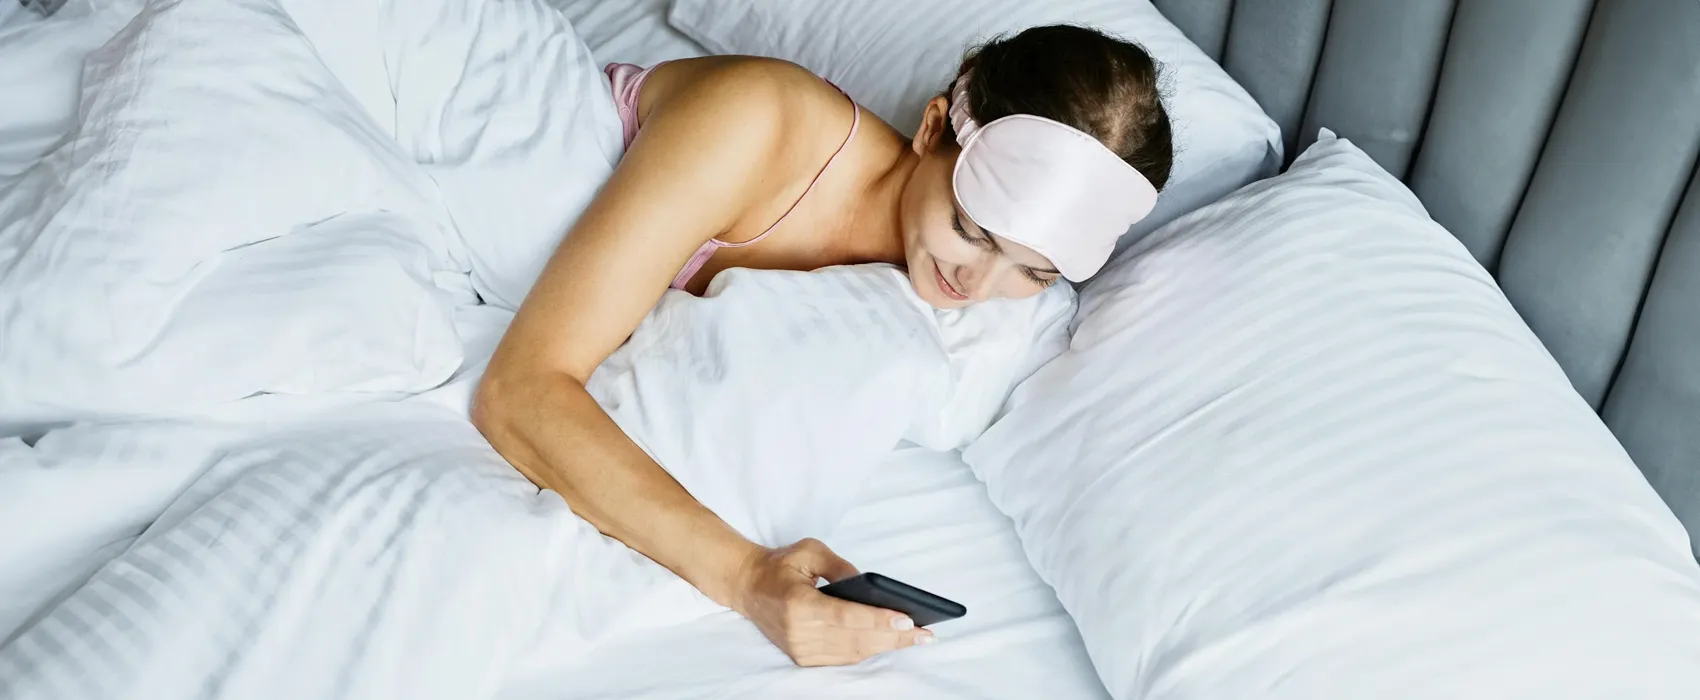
[777, 592]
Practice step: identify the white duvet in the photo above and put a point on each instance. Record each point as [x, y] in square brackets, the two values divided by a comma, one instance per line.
[385, 550]
[245, 278]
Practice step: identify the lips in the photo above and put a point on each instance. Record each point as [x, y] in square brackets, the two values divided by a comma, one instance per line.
[945, 286]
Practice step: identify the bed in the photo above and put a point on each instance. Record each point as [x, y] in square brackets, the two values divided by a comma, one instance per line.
[1507, 119]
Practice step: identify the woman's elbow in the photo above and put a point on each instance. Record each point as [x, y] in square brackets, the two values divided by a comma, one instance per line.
[492, 404]
[508, 398]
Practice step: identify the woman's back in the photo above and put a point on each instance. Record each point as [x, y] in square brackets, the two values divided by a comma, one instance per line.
[628, 82]
[819, 151]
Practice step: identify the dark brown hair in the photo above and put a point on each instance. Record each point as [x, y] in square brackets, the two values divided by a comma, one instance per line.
[1081, 77]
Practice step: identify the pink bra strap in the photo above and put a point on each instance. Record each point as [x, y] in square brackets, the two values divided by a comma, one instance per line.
[855, 121]
[704, 252]
[694, 265]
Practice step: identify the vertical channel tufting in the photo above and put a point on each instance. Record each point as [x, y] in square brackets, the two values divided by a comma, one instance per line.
[1506, 66]
[1391, 50]
[1654, 402]
[1579, 253]
[1205, 22]
[1272, 51]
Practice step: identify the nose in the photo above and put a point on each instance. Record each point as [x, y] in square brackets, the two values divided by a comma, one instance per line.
[977, 280]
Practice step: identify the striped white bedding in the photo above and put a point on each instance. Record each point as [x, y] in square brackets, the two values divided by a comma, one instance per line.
[381, 552]
[1284, 457]
[1302, 447]
[247, 506]
[385, 550]
[628, 31]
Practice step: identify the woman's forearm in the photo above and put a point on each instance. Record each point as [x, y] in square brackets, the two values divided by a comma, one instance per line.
[555, 433]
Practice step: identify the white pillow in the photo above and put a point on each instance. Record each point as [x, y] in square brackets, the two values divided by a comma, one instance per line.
[1302, 447]
[207, 131]
[772, 398]
[634, 31]
[894, 55]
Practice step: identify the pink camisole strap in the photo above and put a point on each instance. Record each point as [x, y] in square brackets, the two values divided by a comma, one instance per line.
[628, 80]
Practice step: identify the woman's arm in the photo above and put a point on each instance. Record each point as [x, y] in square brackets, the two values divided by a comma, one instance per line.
[703, 164]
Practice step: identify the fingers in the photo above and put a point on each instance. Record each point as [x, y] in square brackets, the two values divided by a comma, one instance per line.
[848, 615]
[856, 646]
[872, 642]
[816, 559]
[816, 629]
[827, 631]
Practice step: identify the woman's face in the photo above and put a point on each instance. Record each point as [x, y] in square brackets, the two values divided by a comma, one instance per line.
[952, 262]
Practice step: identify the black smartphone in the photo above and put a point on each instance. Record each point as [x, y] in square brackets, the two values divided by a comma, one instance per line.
[884, 592]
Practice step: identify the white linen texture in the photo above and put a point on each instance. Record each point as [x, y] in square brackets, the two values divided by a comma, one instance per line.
[1302, 447]
[209, 135]
[189, 539]
[387, 550]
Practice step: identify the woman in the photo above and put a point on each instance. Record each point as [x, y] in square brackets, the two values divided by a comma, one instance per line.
[1048, 146]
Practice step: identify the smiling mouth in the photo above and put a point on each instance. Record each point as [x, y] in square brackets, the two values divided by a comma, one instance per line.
[945, 286]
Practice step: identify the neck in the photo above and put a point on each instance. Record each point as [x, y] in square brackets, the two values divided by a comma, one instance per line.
[874, 229]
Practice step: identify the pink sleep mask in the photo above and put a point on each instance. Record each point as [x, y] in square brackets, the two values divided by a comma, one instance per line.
[1046, 185]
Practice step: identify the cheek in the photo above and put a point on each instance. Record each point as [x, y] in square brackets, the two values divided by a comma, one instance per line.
[942, 242]
[928, 205]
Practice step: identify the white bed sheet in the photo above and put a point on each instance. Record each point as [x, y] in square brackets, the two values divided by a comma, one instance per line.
[628, 31]
[925, 520]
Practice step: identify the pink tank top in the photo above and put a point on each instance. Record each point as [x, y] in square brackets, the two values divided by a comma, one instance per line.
[628, 85]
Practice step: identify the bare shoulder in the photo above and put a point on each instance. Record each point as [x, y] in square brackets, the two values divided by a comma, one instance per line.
[739, 81]
[723, 143]
[772, 105]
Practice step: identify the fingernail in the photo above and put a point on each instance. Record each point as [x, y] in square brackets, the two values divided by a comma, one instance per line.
[902, 623]
[926, 639]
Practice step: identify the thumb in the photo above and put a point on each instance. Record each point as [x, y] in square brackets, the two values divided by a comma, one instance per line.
[819, 560]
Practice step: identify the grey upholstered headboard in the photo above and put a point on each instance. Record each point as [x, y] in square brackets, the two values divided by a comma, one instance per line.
[1556, 138]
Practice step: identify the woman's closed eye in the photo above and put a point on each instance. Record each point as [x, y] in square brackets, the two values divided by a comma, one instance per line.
[1043, 279]
[978, 241]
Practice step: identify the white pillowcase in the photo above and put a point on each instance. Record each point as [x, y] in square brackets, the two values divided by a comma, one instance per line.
[1302, 447]
[632, 31]
[894, 55]
[772, 398]
[207, 131]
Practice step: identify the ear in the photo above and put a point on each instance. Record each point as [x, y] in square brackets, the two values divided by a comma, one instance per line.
[933, 121]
